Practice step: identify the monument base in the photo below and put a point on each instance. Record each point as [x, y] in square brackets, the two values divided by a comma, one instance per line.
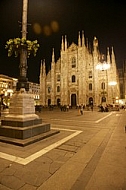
[27, 141]
[22, 126]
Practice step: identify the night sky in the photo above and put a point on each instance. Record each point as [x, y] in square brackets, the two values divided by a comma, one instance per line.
[48, 20]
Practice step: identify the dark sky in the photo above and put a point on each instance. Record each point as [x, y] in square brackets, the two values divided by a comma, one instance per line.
[48, 20]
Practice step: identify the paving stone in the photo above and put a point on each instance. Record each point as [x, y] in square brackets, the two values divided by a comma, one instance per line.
[2, 187]
[12, 182]
[28, 187]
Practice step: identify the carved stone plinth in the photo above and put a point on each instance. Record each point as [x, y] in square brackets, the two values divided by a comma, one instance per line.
[22, 126]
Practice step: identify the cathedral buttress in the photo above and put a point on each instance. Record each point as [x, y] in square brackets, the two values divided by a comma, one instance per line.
[108, 56]
[62, 45]
[43, 84]
[64, 75]
[79, 40]
[65, 43]
[96, 72]
[83, 39]
[53, 79]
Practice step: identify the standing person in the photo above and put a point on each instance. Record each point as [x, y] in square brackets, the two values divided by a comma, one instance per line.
[92, 107]
[81, 109]
[67, 108]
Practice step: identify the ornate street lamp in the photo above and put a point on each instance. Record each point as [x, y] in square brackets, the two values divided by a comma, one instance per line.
[22, 121]
[22, 47]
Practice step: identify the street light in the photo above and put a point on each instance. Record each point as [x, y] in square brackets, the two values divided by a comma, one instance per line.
[102, 66]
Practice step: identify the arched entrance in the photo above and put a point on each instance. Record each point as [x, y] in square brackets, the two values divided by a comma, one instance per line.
[103, 99]
[90, 101]
[73, 100]
[49, 102]
[58, 102]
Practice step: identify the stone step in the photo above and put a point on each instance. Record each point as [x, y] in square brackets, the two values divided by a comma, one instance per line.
[31, 140]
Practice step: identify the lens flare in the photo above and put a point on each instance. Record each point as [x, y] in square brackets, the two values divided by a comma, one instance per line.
[37, 28]
[54, 26]
[47, 30]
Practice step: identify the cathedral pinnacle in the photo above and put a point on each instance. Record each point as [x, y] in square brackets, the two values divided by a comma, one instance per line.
[65, 42]
[53, 56]
[62, 45]
[83, 40]
[79, 40]
[108, 56]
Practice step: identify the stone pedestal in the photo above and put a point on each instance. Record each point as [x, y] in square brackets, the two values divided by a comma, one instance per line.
[22, 126]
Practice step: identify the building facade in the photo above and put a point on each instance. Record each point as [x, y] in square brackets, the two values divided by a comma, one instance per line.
[8, 87]
[80, 76]
[122, 81]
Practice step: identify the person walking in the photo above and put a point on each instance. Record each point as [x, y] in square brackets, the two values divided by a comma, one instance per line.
[81, 109]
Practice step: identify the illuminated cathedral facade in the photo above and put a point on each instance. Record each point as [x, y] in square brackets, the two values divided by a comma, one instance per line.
[80, 76]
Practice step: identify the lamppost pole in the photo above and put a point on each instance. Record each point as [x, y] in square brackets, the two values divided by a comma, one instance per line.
[22, 81]
[24, 18]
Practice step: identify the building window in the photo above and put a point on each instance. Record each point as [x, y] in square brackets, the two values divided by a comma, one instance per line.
[73, 62]
[103, 86]
[49, 90]
[58, 88]
[58, 77]
[90, 74]
[73, 78]
[90, 86]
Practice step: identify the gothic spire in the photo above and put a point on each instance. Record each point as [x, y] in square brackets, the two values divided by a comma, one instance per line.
[83, 39]
[87, 42]
[41, 67]
[53, 56]
[113, 56]
[79, 40]
[108, 56]
[65, 42]
[62, 44]
[44, 68]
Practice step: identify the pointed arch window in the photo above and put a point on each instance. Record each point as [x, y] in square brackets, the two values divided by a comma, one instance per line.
[58, 77]
[73, 62]
[73, 78]
[90, 86]
[58, 88]
[49, 89]
[103, 85]
[90, 74]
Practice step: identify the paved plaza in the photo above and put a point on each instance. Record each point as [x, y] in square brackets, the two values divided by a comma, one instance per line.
[89, 153]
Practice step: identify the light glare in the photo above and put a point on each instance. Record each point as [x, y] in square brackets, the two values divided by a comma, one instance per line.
[103, 66]
[112, 83]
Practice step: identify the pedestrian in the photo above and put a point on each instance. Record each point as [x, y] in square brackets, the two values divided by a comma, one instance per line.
[81, 109]
[67, 108]
[92, 107]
